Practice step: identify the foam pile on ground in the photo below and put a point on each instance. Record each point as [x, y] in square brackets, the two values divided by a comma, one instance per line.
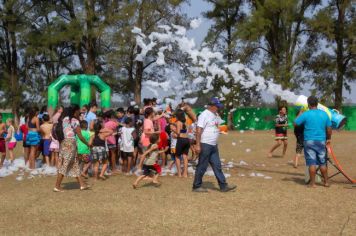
[19, 166]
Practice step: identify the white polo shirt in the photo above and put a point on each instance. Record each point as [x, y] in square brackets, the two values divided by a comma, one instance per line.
[209, 122]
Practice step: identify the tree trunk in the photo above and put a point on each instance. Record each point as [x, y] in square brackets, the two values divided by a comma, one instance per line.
[138, 82]
[339, 35]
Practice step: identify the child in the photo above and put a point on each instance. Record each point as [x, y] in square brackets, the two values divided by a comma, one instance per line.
[191, 135]
[128, 135]
[173, 142]
[99, 152]
[83, 150]
[112, 124]
[46, 131]
[150, 159]
[10, 138]
[281, 131]
[2, 142]
[299, 135]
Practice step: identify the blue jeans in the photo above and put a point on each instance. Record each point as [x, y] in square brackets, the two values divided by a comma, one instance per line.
[315, 153]
[209, 154]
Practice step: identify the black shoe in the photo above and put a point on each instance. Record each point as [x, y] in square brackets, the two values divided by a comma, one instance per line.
[228, 188]
[200, 190]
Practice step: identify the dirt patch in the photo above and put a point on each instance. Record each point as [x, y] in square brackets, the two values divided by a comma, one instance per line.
[277, 206]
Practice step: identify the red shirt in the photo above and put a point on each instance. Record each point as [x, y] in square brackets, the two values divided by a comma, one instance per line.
[24, 130]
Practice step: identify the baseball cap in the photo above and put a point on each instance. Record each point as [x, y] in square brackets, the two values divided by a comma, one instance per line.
[214, 101]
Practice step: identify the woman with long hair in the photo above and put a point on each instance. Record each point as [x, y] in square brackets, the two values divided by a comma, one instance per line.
[183, 143]
[33, 138]
[68, 159]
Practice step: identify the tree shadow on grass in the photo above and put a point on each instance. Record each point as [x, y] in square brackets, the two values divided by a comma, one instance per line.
[299, 181]
[70, 185]
[210, 185]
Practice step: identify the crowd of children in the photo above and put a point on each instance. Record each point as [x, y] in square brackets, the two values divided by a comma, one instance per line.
[132, 141]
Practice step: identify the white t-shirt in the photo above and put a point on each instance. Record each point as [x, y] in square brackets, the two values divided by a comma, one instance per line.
[209, 122]
[127, 141]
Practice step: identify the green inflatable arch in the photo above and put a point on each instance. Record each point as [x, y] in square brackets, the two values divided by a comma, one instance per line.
[80, 92]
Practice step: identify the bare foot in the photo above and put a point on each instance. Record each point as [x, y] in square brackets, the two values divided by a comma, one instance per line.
[311, 186]
[134, 186]
[327, 185]
[269, 155]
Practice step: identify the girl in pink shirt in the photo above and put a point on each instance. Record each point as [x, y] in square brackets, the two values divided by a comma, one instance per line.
[111, 124]
[148, 130]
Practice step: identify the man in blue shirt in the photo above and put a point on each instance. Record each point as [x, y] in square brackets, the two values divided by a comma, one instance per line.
[317, 134]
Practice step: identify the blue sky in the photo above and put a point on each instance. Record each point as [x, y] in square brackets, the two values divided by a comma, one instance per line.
[197, 7]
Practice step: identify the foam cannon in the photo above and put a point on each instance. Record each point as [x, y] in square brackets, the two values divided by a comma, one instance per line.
[338, 120]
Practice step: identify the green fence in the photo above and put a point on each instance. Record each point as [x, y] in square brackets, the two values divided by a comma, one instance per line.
[252, 118]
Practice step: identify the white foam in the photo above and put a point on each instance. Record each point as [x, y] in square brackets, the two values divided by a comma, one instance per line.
[243, 163]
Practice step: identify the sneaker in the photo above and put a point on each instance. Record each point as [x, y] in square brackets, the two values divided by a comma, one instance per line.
[228, 188]
[200, 190]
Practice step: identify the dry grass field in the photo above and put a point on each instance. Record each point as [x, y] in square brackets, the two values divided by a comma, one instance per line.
[282, 205]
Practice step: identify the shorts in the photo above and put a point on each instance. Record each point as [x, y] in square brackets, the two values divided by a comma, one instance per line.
[2, 146]
[86, 158]
[126, 155]
[111, 146]
[315, 153]
[157, 168]
[11, 145]
[54, 146]
[46, 144]
[99, 154]
[300, 145]
[281, 136]
[149, 170]
[24, 144]
[141, 149]
[33, 138]
[183, 146]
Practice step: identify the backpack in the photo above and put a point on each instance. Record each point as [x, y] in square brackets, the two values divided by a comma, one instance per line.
[57, 132]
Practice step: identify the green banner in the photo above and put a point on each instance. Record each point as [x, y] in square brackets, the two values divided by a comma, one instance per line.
[252, 118]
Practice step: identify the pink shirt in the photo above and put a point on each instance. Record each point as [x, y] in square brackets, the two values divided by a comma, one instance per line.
[162, 123]
[147, 127]
[113, 126]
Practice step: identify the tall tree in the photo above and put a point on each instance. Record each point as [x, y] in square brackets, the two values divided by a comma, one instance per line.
[13, 22]
[227, 15]
[334, 67]
[276, 29]
[146, 15]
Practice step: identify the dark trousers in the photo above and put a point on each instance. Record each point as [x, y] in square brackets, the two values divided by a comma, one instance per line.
[209, 154]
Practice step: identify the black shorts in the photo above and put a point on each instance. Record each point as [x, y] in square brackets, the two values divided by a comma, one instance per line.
[126, 155]
[183, 146]
[25, 145]
[148, 170]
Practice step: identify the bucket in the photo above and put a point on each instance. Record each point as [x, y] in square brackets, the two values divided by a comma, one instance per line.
[337, 120]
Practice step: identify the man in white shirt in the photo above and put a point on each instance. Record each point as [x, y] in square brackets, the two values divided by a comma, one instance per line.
[207, 134]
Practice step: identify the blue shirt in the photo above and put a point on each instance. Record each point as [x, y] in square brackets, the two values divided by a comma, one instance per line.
[90, 117]
[315, 123]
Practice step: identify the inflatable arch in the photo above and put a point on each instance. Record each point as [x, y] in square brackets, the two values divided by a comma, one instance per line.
[80, 93]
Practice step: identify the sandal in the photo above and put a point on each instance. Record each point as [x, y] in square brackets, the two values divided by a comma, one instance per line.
[58, 190]
[84, 188]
